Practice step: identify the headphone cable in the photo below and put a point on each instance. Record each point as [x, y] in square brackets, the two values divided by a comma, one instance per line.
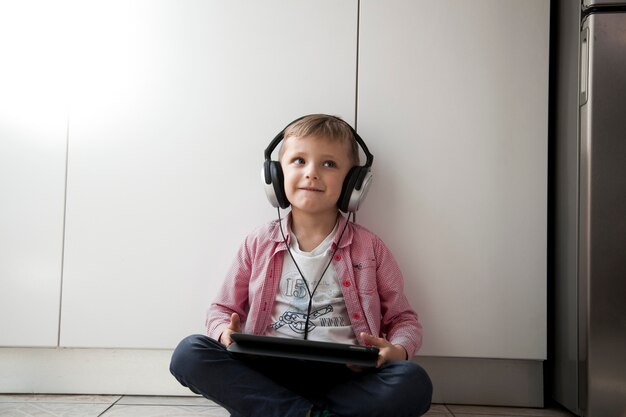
[308, 290]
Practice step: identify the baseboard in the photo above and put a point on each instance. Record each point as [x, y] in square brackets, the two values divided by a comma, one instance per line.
[88, 371]
[502, 382]
[481, 381]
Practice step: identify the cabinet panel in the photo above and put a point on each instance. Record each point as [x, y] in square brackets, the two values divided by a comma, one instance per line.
[170, 116]
[453, 100]
[33, 132]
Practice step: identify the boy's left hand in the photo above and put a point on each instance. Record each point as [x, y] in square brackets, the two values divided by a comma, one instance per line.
[387, 351]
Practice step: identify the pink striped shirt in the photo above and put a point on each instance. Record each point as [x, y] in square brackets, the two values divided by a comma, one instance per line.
[371, 282]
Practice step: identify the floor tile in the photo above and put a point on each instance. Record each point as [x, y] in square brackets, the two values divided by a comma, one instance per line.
[164, 400]
[480, 411]
[438, 410]
[504, 414]
[165, 411]
[58, 398]
[39, 409]
[29, 405]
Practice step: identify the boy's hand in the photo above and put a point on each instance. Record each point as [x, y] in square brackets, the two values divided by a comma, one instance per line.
[233, 327]
[388, 352]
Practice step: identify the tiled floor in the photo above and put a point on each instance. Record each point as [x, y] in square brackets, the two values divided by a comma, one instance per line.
[138, 406]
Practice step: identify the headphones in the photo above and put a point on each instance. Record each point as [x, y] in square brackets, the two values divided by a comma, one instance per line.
[354, 189]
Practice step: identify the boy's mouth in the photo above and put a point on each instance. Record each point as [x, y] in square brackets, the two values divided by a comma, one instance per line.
[316, 190]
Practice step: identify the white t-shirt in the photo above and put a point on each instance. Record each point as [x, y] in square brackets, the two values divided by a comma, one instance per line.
[329, 319]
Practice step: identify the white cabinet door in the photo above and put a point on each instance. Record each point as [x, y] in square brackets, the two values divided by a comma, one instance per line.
[453, 101]
[174, 105]
[33, 133]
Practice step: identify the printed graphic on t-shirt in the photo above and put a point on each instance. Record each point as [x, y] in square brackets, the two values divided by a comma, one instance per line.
[297, 321]
[328, 319]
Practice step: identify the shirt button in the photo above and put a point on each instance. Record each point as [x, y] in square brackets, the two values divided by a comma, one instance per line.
[337, 257]
[346, 283]
[356, 316]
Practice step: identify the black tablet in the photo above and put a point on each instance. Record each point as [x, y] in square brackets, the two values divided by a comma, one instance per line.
[303, 349]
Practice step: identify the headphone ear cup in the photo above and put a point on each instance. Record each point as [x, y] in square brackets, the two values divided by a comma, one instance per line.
[355, 188]
[274, 184]
[347, 188]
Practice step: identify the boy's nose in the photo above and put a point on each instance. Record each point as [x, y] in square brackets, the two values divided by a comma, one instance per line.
[311, 173]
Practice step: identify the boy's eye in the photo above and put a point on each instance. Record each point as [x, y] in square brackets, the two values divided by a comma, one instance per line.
[298, 161]
[329, 164]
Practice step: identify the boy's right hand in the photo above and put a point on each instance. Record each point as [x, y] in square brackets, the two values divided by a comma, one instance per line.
[233, 327]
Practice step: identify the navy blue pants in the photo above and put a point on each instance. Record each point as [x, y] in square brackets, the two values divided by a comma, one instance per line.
[271, 387]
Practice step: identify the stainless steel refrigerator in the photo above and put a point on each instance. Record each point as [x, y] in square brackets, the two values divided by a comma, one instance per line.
[588, 216]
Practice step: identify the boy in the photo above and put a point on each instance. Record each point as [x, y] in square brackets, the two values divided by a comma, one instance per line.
[325, 279]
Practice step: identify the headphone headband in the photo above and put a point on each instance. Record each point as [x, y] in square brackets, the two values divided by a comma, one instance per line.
[369, 158]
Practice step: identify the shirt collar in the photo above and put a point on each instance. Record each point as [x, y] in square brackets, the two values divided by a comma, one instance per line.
[346, 239]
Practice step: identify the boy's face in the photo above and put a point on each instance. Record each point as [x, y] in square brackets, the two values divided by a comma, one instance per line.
[314, 169]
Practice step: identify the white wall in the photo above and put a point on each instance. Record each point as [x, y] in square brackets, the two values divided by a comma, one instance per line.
[168, 125]
[33, 137]
[453, 98]
[170, 106]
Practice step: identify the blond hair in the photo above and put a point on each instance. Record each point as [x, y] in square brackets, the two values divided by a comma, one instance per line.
[324, 126]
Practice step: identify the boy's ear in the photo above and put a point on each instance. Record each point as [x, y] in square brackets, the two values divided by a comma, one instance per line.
[273, 180]
[354, 189]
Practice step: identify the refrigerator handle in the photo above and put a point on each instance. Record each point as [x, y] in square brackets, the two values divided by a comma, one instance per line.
[584, 65]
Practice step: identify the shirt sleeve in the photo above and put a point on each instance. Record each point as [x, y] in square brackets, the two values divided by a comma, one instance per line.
[232, 296]
[399, 321]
